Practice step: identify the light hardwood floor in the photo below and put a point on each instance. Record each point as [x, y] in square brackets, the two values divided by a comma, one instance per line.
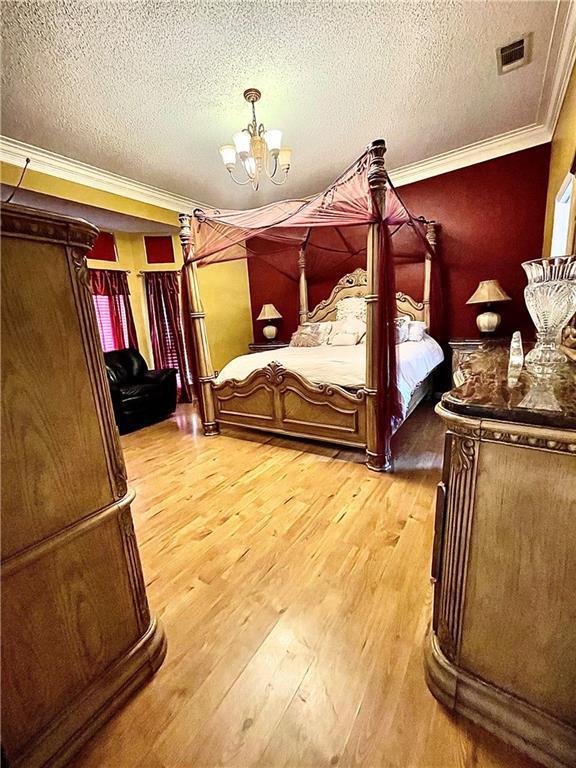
[293, 585]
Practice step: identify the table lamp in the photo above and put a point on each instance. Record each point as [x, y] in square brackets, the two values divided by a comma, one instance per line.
[269, 312]
[488, 292]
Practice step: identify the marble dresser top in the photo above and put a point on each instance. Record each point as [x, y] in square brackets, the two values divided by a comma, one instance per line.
[487, 393]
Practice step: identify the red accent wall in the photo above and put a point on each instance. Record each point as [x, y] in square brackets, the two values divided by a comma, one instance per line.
[491, 218]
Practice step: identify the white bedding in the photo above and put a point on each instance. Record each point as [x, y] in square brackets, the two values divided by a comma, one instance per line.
[345, 366]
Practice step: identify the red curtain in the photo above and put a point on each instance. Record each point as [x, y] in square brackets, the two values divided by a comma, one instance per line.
[113, 284]
[162, 292]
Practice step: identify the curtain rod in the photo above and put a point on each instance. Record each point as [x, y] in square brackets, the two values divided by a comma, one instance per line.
[143, 272]
[107, 269]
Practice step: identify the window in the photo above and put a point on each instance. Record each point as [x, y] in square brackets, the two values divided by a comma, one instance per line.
[564, 216]
[109, 336]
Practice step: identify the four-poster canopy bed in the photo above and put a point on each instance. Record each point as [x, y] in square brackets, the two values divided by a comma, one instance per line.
[277, 398]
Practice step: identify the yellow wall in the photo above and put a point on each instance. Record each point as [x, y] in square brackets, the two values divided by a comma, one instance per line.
[224, 287]
[562, 155]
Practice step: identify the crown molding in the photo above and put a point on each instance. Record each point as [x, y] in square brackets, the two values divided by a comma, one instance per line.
[479, 152]
[559, 69]
[52, 164]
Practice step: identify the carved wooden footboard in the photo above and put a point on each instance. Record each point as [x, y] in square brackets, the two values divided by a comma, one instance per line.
[275, 399]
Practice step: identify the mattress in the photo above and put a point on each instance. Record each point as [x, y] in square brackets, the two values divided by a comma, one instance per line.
[344, 366]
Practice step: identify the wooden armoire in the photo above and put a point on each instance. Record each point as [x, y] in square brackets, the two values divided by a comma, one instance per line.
[77, 635]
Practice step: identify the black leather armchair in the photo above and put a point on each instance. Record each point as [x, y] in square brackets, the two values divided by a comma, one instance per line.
[139, 396]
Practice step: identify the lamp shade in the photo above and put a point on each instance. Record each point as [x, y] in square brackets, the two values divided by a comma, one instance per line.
[488, 292]
[228, 155]
[273, 138]
[242, 142]
[269, 312]
[285, 158]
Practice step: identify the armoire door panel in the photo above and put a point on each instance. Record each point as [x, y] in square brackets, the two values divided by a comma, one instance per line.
[515, 589]
[51, 432]
[65, 632]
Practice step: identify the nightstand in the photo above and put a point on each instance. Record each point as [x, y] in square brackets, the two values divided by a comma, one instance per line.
[463, 348]
[266, 346]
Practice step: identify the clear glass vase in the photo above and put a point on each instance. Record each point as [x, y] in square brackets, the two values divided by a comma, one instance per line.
[551, 300]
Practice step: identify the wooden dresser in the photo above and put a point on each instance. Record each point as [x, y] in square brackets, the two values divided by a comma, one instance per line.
[77, 635]
[502, 644]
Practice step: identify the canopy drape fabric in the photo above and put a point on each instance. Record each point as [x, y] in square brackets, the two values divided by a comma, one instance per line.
[113, 284]
[332, 227]
[162, 297]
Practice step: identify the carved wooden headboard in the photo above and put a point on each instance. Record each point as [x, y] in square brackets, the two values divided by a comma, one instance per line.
[356, 284]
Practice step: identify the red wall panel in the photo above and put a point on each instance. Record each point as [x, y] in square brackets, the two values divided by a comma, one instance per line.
[104, 248]
[491, 218]
[159, 250]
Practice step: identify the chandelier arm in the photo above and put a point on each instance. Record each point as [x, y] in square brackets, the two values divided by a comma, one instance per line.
[241, 183]
[267, 170]
[279, 183]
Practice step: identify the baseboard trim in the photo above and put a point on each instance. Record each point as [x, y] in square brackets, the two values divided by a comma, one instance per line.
[528, 729]
[84, 716]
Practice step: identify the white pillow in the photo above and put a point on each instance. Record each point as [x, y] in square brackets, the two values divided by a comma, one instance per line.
[347, 332]
[353, 306]
[402, 325]
[416, 329]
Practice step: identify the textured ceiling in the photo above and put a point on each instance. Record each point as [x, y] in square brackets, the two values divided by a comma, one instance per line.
[149, 90]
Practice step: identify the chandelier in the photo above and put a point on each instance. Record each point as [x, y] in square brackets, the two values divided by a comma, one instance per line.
[259, 150]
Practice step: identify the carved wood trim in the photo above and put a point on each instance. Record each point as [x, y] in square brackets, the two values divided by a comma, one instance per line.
[317, 413]
[30, 224]
[524, 435]
[457, 525]
[406, 305]
[76, 257]
[352, 284]
[356, 284]
[130, 545]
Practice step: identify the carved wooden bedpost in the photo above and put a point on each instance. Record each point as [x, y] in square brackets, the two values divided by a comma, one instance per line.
[377, 182]
[431, 237]
[198, 325]
[302, 285]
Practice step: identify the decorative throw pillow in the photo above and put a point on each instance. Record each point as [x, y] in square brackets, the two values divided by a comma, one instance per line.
[346, 333]
[322, 330]
[353, 306]
[304, 336]
[416, 329]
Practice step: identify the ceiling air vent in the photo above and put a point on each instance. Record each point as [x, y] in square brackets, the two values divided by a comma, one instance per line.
[515, 54]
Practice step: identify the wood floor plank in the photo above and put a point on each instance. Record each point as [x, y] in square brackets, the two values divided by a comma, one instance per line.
[293, 585]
